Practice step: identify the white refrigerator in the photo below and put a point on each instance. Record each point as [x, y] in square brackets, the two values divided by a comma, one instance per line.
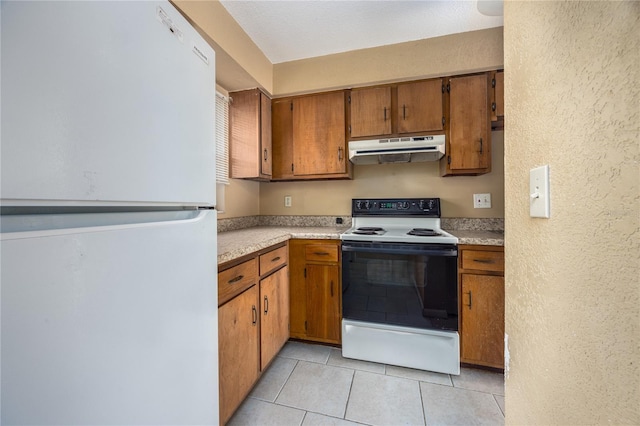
[108, 279]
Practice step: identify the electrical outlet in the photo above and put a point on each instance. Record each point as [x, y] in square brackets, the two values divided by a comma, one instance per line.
[287, 200]
[481, 201]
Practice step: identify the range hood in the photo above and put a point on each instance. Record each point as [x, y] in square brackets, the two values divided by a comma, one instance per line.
[397, 150]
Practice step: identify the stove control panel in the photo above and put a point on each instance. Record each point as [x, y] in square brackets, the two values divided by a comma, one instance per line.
[425, 207]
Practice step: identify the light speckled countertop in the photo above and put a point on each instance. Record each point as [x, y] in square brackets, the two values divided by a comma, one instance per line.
[235, 244]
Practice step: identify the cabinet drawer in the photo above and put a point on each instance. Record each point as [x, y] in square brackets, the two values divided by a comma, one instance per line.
[273, 259]
[483, 260]
[234, 281]
[321, 252]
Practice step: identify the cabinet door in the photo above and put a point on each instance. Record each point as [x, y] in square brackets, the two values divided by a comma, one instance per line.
[482, 310]
[266, 153]
[250, 135]
[238, 339]
[323, 302]
[370, 112]
[497, 101]
[420, 106]
[282, 130]
[274, 297]
[297, 289]
[319, 134]
[469, 134]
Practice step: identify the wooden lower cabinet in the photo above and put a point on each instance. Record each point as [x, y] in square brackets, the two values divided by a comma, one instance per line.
[483, 320]
[274, 326]
[316, 290]
[253, 322]
[323, 302]
[482, 305]
[238, 354]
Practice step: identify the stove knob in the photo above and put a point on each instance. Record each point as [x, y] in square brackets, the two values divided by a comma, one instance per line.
[367, 205]
[432, 204]
[422, 204]
[358, 205]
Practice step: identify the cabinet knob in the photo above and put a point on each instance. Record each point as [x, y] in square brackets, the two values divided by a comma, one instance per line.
[469, 304]
[266, 305]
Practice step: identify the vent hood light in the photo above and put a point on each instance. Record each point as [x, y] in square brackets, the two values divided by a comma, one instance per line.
[397, 150]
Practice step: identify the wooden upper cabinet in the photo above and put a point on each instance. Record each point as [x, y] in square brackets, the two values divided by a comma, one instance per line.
[420, 106]
[469, 129]
[497, 100]
[282, 130]
[370, 111]
[319, 134]
[250, 135]
[309, 137]
[392, 110]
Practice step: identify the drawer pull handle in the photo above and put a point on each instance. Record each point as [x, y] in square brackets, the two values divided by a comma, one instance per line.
[254, 313]
[275, 259]
[469, 293]
[484, 260]
[321, 253]
[266, 305]
[235, 279]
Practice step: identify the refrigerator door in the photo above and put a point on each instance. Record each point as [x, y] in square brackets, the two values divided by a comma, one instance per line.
[109, 324]
[105, 103]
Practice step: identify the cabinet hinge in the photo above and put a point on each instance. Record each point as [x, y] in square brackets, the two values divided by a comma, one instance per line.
[349, 129]
[443, 121]
[448, 88]
[443, 88]
[349, 98]
[448, 159]
[291, 106]
[493, 82]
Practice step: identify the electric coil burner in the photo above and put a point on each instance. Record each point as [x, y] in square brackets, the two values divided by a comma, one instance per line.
[400, 285]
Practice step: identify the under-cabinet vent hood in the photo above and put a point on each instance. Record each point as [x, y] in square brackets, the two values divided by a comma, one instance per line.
[397, 150]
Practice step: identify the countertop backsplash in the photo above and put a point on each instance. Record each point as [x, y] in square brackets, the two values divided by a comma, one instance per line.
[448, 223]
[472, 224]
[236, 223]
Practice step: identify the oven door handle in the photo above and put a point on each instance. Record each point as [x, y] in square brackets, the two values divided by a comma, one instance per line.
[393, 248]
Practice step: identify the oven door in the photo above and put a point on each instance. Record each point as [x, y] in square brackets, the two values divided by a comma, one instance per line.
[401, 284]
[400, 305]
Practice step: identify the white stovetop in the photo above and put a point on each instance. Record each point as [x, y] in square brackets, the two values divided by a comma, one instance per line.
[396, 230]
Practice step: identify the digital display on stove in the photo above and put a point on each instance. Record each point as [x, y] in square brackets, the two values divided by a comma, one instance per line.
[387, 205]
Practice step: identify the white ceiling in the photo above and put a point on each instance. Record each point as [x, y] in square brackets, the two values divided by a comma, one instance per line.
[296, 29]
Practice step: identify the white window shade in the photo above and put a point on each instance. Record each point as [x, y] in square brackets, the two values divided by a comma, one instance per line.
[222, 139]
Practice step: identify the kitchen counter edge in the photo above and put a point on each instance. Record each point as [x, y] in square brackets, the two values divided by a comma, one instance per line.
[235, 244]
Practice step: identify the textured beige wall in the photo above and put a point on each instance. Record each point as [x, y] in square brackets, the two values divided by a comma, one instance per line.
[391, 180]
[572, 281]
[435, 57]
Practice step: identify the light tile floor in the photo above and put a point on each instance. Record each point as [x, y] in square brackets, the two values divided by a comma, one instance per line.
[311, 384]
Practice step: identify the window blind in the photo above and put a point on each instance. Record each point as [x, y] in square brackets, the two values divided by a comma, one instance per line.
[222, 139]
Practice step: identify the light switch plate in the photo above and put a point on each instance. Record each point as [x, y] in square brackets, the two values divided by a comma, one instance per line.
[287, 200]
[539, 192]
